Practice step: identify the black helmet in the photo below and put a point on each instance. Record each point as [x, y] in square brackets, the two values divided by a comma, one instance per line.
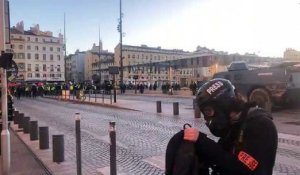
[216, 90]
[220, 95]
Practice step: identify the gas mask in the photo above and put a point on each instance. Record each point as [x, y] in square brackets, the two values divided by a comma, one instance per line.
[218, 124]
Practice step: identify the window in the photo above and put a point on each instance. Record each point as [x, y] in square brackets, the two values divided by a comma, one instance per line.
[128, 56]
[37, 68]
[28, 38]
[51, 68]
[58, 68]
[44, 57]
[28, 67]
[12, 46]
[21, 55]
[28, 47]
[52, 75]
[36, 47]
[58, 75]
[44, 67]
[20, 47]
[51, 48]
[21, 66]
[44, 48]
[37, 75]
[44, 75]
[28, 56]
[36, 56]
[51, 57]
[29, 75]
[58, 49]
[58, 57]
[36, 40]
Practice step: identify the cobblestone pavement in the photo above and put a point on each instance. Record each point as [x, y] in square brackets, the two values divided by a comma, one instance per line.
[141, 136]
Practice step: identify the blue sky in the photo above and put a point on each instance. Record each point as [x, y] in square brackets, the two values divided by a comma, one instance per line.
[265, 27]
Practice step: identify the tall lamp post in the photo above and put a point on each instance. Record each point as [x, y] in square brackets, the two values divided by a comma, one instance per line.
[121, 35]
[100, 75]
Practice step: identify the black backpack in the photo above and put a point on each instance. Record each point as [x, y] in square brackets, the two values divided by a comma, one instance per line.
[181, 156]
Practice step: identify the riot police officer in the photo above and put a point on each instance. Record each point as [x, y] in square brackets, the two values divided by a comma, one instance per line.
[247, 135]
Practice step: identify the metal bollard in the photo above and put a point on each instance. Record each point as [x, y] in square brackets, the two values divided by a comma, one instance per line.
[158, 106]
[26, 122]
[16, 115]
[176, 108]
[113, 154]
[194, 103]
[44, 137]
[110, 97]
[197, 113]
[95, 97]
[33, 129]
[58, 148]
[78, 143]
[89, 96]
[20, 120]
[103, 96]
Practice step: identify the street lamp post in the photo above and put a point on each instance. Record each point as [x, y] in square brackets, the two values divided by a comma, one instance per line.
[100, 78]
[121, 35]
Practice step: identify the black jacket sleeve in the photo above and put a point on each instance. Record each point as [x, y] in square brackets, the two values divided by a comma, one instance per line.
[256, 156]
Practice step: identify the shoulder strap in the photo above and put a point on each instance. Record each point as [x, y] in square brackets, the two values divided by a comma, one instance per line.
[246, 114]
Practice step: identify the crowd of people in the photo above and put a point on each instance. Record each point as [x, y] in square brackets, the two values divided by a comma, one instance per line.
[32, 90]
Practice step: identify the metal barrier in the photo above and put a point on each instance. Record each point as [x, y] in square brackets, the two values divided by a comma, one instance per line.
[44, 137]
[113, 153]
[176, 108]
[26, 121]
[20, 120]
[16, 116]
[158, 106]
[33, 130]
[58, 148]
[78, 143]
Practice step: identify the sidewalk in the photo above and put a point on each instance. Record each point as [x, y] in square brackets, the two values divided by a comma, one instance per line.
[23, 162]
[137, 105]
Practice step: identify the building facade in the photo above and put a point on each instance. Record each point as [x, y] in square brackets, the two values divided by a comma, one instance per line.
[87, 66]
[155, 65]
[39, 55]
[75, 66]
[143, 62]
[291, 55]
[100, 68]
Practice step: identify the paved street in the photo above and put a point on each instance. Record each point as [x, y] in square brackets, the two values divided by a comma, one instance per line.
[141, 136]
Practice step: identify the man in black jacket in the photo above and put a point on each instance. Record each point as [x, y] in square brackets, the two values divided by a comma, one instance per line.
[248, 137]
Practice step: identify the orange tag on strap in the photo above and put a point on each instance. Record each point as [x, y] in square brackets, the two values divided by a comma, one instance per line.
[248, 160]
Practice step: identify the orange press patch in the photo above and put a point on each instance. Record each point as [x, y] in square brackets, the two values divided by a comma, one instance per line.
[248, 160]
